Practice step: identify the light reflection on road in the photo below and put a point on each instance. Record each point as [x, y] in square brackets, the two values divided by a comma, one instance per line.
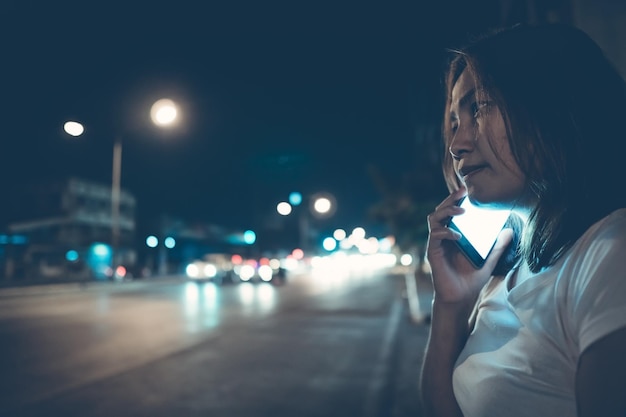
[202, 304]
[257, 299]
[201, 307]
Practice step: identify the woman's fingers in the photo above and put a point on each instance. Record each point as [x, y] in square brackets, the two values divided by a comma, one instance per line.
[452, 198]
[439, 219]
[441, 216]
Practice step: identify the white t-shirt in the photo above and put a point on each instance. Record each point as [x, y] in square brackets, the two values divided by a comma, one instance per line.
[522, 355]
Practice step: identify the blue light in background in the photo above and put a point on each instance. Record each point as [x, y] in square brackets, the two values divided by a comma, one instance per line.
[14, 239]
[19, 239]
[249, 237]
[152, 241]
[71, 255]
[295, 198]
[170, 242]
[235, 239]
[99, 259]
[101, 250]
[246, 238]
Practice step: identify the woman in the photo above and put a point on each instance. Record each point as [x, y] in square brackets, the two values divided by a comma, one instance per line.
[533, 122]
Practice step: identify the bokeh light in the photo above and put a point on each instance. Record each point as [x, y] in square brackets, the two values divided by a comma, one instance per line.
[164, 112]
[169, 242]
[249, 237]
[329, 244]
[295, 198]
[73, 128]
[339, 234]
[283, 208]
[322, 205]
[152, 241]
[406, 259]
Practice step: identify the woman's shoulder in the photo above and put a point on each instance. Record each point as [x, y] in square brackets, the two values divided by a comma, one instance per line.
[606, 237]
[592, 281]
[613, 225]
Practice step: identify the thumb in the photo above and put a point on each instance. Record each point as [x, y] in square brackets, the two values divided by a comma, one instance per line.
[504, 239]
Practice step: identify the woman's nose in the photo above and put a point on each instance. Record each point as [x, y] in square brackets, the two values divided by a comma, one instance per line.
[463, 142]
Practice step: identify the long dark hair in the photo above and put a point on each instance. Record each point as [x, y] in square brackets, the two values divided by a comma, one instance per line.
[563, 104]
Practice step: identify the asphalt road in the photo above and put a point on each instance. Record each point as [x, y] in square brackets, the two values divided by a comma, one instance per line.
[321, 345]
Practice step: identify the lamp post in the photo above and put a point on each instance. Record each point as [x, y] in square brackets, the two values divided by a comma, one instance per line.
[116, 176]
[163, 113]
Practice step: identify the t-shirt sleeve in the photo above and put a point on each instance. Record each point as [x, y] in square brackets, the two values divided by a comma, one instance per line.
[597, 291]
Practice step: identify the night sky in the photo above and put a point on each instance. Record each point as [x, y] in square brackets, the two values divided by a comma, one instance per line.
[275, 97]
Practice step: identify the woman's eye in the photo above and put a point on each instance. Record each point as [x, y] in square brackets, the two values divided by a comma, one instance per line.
[478, 108]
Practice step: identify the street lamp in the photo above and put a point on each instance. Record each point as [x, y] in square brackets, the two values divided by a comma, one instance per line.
[164, 113]
[322, 205]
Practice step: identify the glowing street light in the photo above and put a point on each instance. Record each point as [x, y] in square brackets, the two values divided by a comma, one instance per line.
[322, 205]
[73, 128]
[164, 112]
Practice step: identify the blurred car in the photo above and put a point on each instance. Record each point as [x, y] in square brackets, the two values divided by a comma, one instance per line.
[251, 270]
[214, 267]
[226, 269]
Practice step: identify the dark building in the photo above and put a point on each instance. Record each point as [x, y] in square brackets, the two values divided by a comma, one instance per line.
[69, 229]
[66, 228]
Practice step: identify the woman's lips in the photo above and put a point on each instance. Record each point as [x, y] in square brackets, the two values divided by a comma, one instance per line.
[468, 172]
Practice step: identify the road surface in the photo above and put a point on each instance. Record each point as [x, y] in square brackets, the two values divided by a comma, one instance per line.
[321, 345]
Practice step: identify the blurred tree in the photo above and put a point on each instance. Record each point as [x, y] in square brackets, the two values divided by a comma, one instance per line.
[406, 201]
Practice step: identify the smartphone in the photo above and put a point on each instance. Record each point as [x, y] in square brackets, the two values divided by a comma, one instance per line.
[479, 228]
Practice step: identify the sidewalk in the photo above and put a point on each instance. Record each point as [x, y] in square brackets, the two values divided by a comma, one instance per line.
[401, 397]
[407, 364]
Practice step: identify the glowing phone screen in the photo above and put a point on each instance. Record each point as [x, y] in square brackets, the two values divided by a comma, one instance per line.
[480, 226]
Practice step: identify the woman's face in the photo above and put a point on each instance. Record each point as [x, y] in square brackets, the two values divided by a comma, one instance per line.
[480, 148]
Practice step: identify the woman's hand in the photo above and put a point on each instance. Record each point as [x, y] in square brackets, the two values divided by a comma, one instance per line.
[455, 279]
